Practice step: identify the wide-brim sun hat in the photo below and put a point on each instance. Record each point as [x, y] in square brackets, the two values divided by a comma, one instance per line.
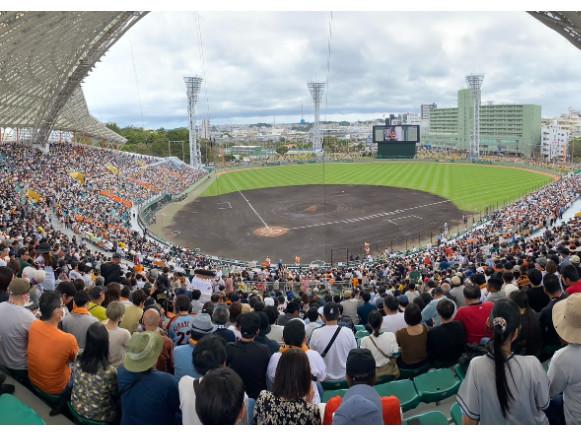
[143, 350]
[567, 318]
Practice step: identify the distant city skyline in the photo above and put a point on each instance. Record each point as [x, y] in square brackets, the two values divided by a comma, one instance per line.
[256, 65]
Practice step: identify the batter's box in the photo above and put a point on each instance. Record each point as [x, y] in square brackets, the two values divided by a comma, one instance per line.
[224, 205]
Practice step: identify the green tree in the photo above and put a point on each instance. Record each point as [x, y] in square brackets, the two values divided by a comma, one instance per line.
[282, 149]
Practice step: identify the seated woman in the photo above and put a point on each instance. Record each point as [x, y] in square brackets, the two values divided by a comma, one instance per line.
[290, 402]
[413, 339]
[502, 387]
[95, 379]
[118, 337]
[382, 345]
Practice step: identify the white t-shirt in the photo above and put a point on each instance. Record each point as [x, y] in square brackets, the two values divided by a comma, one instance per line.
[565, 378]
[336, 357]
[392, 323]
[386, 342]
[318, 370]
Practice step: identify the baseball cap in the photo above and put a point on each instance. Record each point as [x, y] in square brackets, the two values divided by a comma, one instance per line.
[358, 410]
[19, 287]
[360, 364]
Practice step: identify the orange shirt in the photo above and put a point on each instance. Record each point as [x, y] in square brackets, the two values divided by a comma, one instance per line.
[391, 410]
[50, 351]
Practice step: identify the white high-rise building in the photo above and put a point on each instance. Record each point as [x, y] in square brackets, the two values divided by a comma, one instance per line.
[425, 110]
[554, 141]
[205, 133]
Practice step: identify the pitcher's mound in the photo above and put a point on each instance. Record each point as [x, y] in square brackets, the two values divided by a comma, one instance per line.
[271, 232]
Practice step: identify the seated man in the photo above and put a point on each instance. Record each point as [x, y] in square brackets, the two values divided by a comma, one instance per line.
[220, 398]
[50, 350]
[474, 315]
[362, 405]
[15, 322]
[148, 396]
[446, 342]
[208, 355]
[78, 322]
[247, 358]
[180, 325]
[97, 297]
[333, 342]
[182, 354]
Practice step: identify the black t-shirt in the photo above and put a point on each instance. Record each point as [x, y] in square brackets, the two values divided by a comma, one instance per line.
[548, 332]
[446, 342]
[250, 361]
[227, 335]
[537, 298]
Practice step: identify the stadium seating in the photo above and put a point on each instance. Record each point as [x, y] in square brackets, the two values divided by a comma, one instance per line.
[331, 394]
[428, 418]
[404, 390]
[15, 412]
[434, 386]
[460, 371]
[334, 385]
[456, 414]
[361, 334]
[81, 419]
[51, 400]
[411, 373]
[359, 327]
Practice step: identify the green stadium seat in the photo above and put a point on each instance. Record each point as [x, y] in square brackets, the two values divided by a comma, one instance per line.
[359, 327]
[361, 334]
[460, 371]
[403, 390]
[411, 373]
[429, 418]
[436, 385]
[79, 419]
[51, 400]
[327, 395]
[15, 412]
[334, 385]
[385, 379]
[456, 414]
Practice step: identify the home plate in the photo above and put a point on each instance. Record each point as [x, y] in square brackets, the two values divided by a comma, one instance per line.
[271, 232]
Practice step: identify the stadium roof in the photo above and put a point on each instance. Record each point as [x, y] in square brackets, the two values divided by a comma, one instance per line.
[567, 24]
[44, 57]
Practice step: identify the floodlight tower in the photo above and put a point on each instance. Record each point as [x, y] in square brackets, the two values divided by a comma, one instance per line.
[193, 87]
[317, 89]
[474, 82]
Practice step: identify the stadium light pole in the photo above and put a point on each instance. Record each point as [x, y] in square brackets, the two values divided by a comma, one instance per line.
[475, 83]
[317, 89]
[193, 87]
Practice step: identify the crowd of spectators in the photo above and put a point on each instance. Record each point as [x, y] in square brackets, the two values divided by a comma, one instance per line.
[254, 345]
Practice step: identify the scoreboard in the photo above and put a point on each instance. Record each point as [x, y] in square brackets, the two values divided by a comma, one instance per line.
[396, 141]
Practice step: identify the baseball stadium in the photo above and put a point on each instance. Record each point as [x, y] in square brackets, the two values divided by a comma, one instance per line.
[411, 285]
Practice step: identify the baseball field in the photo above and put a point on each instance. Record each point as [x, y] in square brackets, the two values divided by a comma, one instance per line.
[326, 211]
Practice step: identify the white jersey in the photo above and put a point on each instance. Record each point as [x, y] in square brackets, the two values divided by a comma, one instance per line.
[204, 286]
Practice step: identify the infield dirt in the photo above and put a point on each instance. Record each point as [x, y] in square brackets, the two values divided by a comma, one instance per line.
[313, 222]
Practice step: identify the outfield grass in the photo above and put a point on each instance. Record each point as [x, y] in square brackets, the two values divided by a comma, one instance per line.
[472, 188]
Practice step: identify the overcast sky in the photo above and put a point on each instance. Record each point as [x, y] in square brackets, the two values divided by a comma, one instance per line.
[255, 65]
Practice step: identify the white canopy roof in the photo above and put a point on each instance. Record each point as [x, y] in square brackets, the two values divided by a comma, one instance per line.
[44, 56]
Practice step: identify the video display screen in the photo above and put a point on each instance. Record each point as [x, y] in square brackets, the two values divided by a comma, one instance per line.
[396, 133]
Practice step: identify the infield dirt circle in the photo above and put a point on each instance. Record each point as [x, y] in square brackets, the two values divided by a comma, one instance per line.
[312, 222]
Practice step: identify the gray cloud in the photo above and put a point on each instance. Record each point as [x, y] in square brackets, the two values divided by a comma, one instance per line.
[255, 65]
